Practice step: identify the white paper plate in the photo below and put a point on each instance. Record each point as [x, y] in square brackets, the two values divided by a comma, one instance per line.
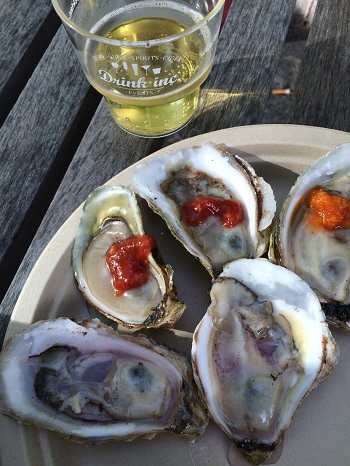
[319, 431]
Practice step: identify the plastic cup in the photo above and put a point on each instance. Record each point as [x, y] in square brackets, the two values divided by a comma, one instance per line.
[147, 58]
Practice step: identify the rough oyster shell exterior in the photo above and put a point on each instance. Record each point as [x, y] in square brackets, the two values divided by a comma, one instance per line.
[262, 346]
[71, 377]
[321, 257]
[169, 180]
[109, 214]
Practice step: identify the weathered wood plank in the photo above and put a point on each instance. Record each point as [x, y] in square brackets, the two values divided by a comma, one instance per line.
[32, 140]
[20, 22]
[248, 52]
[322, 94]
[103, 152]
[26, 30]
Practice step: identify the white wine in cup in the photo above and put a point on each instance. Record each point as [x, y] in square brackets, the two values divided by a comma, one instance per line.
[147, 58]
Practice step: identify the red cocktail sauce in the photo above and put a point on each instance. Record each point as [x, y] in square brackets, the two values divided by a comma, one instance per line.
[194, 213]
[127, 261]
[327, 210]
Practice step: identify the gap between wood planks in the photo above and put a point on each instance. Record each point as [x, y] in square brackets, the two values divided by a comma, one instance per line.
[21, 74]
[47, 191]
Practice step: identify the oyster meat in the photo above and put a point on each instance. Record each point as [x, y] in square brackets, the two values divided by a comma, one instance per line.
[92, 384]
[110, 217]
[312, 234]
[205, 178]
[262, 346]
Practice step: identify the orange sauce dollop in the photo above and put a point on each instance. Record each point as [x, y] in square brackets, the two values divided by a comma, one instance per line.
[127, 261]
[194, 213]
[327, 210]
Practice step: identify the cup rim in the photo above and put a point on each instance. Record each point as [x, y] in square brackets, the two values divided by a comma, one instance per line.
[149, 43]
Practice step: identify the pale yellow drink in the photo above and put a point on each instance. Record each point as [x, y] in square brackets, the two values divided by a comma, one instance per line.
[151, 91]
[148, 58]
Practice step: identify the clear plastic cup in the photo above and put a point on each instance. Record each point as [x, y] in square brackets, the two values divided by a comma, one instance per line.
[147, 58]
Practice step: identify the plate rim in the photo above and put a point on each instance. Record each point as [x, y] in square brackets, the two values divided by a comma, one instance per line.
[259, 134]
[56, 251]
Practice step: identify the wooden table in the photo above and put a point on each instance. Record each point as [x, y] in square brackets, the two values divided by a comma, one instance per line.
[58, 140]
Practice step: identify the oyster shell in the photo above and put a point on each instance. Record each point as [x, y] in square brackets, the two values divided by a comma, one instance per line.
[92, 384]
[167, 182]
[262, 346]
[320, 255]
[111, 214]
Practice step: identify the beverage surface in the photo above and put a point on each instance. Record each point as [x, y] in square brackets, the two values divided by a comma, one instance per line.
[151, 88]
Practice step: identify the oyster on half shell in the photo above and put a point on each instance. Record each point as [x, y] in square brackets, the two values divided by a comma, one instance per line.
[262, 346]
[170, 181]
[312, 234]
[91, 384]
[110, 215]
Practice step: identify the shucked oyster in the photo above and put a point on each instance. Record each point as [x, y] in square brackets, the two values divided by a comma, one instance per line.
[212, 201]
[312, 234]
[92, 384]
[260, 349]
[118, 267]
